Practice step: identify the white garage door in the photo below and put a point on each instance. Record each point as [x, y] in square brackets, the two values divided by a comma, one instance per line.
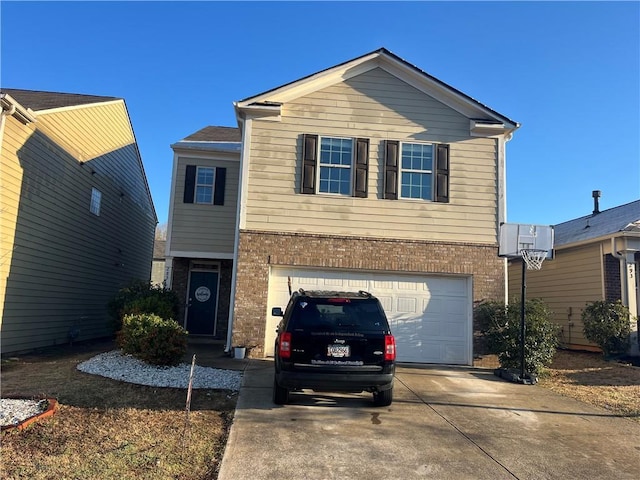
[430, 316]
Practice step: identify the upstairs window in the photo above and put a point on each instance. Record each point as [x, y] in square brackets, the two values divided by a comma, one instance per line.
[336, 157]
[335, 165]
[96, 199]
[416, 171]
[416, 178]
[204, 185]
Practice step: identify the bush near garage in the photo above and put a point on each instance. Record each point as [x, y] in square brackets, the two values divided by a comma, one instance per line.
[500, 324]
[607, 324]
[141, 297]
[153, 339]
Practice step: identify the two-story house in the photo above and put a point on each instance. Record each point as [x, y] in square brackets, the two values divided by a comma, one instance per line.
[596, 258]
[370, 175]
[76, 216]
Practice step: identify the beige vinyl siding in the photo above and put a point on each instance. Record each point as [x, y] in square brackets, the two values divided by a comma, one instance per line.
[205, 228]
[566, 284]
[61, 264]
[377, 106]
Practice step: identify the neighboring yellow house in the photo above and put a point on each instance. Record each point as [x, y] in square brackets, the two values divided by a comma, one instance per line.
[76, 216]
[596, 258]
[370, 175]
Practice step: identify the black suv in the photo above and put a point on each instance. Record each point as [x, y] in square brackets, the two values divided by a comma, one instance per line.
[336, 342]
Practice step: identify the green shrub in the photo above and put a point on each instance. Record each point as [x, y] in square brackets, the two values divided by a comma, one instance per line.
[153, 339]
[501, 325]
[158, 304]
[142, 297]
[608, 325]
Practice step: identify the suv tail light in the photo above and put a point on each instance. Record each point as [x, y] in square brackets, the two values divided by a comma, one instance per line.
[389, 347]
[284, 345]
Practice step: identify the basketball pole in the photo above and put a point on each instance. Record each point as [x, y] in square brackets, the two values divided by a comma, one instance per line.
[523, 327]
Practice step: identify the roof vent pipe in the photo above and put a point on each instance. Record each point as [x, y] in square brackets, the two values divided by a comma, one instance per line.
[596, 207]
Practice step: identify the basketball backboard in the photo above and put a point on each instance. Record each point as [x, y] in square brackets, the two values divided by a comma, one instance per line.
[515, 237]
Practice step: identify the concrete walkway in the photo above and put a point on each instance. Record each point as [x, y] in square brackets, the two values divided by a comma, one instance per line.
[444, 423]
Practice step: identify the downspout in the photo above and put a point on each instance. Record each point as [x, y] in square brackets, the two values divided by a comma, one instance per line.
[239, 223]
[3, 115]
[502, 201]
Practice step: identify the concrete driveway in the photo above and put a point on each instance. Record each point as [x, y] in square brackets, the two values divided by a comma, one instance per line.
[444, 423]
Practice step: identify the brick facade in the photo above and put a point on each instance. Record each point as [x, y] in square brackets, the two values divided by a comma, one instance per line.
[180, 283]
[260, 250]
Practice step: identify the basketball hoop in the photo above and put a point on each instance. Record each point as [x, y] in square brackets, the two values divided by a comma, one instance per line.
[533, 258]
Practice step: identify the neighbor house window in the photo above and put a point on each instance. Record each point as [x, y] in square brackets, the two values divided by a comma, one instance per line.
[96, 198]
[204, 185]
[416, 171]
[334, 165]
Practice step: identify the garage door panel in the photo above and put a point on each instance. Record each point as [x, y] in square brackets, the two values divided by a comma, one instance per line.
[359, 284]
[382, 285]
[407, 305]
[430, 316]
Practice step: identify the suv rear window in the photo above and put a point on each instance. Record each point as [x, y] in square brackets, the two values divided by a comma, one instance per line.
[338, 314]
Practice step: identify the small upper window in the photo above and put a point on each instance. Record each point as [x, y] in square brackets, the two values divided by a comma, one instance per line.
[336, 157]
[416, 176]
[204, 185]
[96, 198]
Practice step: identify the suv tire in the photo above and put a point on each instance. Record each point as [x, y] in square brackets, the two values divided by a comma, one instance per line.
[280, 394]
[384, 398]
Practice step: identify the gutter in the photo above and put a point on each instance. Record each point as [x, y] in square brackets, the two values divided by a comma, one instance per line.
[9, 104]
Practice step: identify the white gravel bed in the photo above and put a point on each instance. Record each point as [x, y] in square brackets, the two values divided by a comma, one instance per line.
[129, 369]
[14, 411]
[126, 368]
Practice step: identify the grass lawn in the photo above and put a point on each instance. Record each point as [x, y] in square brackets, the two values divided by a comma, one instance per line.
[106, 429]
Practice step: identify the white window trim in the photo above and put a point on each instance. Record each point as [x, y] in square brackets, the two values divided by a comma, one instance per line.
[430, 172]
[350, 167]
[196, 185]
[95, 202]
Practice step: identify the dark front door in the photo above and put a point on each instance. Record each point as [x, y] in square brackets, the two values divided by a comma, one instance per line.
[203, 295]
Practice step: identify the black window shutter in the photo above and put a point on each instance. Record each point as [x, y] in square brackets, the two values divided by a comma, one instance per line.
[218, 189]
[189, 184]
[442, 173]
[361, 176]
[391, 151]
[309, 163]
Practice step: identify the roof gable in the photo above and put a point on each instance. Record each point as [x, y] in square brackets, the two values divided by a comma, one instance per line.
[39, 100]
[624, 218]
[271, 100]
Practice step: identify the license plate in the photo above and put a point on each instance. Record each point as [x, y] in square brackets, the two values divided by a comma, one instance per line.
[338, 351]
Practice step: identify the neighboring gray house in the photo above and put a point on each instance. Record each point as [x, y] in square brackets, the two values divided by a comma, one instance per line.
[596, 258]
[158, 265]
[76, 213]
[369, 175]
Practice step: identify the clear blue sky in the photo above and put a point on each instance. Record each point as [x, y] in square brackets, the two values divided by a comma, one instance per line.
[568, 72]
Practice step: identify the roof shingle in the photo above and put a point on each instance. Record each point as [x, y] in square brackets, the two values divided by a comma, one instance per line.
[215, 134]
[39, 100]
[617, 219]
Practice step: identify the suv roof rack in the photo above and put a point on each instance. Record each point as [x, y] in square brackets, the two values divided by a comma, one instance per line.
[334, 293]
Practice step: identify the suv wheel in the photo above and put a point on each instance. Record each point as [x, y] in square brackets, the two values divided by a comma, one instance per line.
[280, 394]
[384, 398]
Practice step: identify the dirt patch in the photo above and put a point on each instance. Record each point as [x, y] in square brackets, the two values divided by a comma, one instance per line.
[588, 377]
[110, 429]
